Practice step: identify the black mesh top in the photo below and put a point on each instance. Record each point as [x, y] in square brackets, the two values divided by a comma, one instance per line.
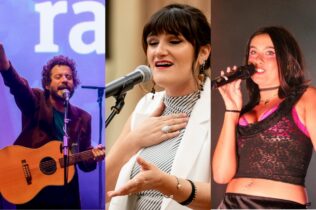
[274, 148]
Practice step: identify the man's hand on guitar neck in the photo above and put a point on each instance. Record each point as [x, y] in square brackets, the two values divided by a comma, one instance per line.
[99, 152]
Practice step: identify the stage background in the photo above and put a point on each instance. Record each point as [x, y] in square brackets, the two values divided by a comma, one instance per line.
[32, 33]
[232, 23]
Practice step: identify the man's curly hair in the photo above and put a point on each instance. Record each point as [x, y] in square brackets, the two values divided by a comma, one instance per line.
[58, 60]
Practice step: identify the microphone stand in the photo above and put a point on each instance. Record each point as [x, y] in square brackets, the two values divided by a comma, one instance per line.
[116, 109]
[99, 100]
[65, 142]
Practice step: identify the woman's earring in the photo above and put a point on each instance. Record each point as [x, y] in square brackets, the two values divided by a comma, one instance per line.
[153, 91]
[201, 76]
[202, 67]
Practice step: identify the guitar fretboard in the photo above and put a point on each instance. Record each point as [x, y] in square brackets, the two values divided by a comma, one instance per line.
[77, 157]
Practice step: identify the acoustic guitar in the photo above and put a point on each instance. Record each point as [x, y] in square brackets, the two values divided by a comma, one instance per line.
[25, 171]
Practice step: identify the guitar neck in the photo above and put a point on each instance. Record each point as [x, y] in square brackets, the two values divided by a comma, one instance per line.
[77, 157]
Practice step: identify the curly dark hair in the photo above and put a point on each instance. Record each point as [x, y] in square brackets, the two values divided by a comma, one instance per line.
[290, 64]
[58, 60]
[180, 19]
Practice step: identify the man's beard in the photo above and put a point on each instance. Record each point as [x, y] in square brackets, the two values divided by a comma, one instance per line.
[54, 94]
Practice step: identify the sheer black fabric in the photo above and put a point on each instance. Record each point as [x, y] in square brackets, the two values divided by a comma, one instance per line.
[274, 148]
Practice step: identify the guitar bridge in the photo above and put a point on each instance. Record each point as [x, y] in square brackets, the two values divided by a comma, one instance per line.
[27, 172]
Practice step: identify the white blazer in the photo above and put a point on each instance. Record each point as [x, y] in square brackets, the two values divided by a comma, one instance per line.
[192, 159]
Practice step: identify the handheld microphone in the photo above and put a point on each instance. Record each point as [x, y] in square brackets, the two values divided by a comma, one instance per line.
[66, 94]
[242, 72]
[121, 85]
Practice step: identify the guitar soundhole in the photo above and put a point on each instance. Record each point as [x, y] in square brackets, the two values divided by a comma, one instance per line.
[48, 166]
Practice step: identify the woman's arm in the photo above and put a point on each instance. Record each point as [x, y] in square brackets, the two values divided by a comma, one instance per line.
[171, 186]
[119, 154]
[147, 133]
[224, 162]
[306, 109]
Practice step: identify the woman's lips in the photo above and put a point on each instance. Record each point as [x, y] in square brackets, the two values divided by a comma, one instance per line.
[163, 65]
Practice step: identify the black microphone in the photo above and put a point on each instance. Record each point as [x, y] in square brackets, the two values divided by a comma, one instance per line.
[242, 72]
[121, 85]
[92, 87]
[66, 94]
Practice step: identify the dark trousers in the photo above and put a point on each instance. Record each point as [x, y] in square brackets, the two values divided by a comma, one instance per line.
[242, 201]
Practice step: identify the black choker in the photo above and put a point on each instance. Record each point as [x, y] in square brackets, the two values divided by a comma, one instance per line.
[269, 88]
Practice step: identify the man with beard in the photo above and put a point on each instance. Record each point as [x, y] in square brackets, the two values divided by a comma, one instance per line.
[43, 121]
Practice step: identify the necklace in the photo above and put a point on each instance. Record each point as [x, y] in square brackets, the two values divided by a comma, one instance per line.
[269, 88]
[267, 100]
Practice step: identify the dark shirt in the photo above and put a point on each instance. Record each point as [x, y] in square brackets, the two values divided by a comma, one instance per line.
[58, 124]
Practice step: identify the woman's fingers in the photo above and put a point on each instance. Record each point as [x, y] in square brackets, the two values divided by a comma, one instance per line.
[171, 128]
[130, 187]
[173, 116]
[230, 92]
[148, 178]
[134, 185]
[237, 84]
[172, 123]
[143, 164]
[176, 121]
[178, 126]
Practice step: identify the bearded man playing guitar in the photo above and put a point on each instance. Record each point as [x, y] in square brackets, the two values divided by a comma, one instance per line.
[42, 122]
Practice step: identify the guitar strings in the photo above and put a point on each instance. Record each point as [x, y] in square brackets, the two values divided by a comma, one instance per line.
[49, 163]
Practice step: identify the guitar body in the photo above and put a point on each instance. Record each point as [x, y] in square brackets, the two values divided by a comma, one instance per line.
[24, 171]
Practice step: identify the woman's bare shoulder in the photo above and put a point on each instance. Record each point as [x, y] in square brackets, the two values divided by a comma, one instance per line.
[309, 95]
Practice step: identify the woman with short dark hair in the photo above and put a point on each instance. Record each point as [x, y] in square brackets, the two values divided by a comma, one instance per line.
[171, 169]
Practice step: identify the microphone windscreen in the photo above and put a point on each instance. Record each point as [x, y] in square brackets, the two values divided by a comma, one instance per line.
[146, 72]
[66, 94]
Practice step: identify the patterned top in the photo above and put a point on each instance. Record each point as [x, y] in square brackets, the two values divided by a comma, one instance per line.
[274, 148]
[151, 199]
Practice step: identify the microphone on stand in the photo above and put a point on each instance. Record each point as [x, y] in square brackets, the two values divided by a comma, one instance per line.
[66, 94]
[121, 85]
[242, 72]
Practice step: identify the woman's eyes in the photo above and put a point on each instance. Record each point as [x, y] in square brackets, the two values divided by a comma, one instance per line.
[252, 52]
[151, 43]
[269, 52]
[156, 42]
[177, 41]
